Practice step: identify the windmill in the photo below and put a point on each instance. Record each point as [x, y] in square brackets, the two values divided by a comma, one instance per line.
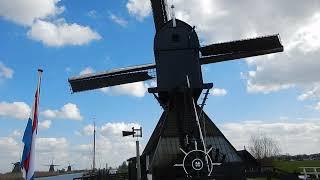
[16, 167]
[51, 166]
[69, 167]
[182, 125]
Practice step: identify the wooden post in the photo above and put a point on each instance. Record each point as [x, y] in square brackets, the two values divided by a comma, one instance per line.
[316, 173]
[305, 173]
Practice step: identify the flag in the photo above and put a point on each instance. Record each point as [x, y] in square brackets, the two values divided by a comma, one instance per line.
[29, 138]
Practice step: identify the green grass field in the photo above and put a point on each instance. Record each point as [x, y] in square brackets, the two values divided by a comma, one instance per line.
[293, 166]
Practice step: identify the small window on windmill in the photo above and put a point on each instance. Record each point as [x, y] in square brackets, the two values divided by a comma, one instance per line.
[175, 37]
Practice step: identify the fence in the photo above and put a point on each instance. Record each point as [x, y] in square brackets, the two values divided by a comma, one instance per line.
[307, 171]
[103, 175]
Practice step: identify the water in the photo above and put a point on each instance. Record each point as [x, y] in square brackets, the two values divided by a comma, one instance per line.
[61, 177]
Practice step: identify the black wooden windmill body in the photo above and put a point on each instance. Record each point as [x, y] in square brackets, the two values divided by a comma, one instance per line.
[178, 60]
[51, 166]
[16, 167]
[69, 167]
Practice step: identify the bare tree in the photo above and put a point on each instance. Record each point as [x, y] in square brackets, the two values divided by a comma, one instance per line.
[261, 146]
[123, 168]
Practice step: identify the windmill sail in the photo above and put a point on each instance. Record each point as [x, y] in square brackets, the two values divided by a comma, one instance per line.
[159, 13]
[240, 49]
[111, 78]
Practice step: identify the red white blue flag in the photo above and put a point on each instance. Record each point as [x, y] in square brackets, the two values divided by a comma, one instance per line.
[29, 138]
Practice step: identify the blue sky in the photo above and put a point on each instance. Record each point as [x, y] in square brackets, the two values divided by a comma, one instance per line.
[278, 95]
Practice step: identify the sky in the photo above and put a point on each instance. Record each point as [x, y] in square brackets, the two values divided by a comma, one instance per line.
[277, 95]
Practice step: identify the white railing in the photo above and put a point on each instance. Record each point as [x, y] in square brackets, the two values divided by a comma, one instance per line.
[310, 171]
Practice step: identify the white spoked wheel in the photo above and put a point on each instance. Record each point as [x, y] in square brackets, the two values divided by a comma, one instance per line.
[197, 163]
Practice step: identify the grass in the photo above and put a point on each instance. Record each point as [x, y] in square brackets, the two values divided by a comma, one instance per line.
[18, 176]
[293, 166]
[11, 176]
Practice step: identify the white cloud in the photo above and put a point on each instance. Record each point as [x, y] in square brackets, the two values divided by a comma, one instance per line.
[17, 110]
[307, 38]
[110, 138]
[87, 70]
[317, 106]
[62, 152]
[139, 8]
[11, 145]
[60, 33]
[218, 92]
[17, 133]
[118, 20]
[68, 111]
[294, 137]
[109, 129]
[312, 92]
[26, 12]
[5, 71]
[41, 17]
[115, 129]
[266, 88]
[50, 144]
[56, 149]
[87, 130]
[77, 133]
[137, 89]
[48, 148]
[92, 13]
[45, 124]
[9, 153]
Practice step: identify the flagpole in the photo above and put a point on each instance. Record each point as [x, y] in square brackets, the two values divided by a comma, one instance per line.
[29, 137]
[36, 109]
[40, 71]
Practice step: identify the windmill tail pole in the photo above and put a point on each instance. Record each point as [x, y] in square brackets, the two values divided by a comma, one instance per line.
[198, 123]
[197, 117]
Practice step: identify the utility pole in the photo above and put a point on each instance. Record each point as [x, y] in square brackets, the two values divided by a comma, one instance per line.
[136, 133]
[138, 153]
[94, 146]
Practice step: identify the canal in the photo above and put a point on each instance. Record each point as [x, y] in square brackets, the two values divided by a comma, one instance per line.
[61, 177]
